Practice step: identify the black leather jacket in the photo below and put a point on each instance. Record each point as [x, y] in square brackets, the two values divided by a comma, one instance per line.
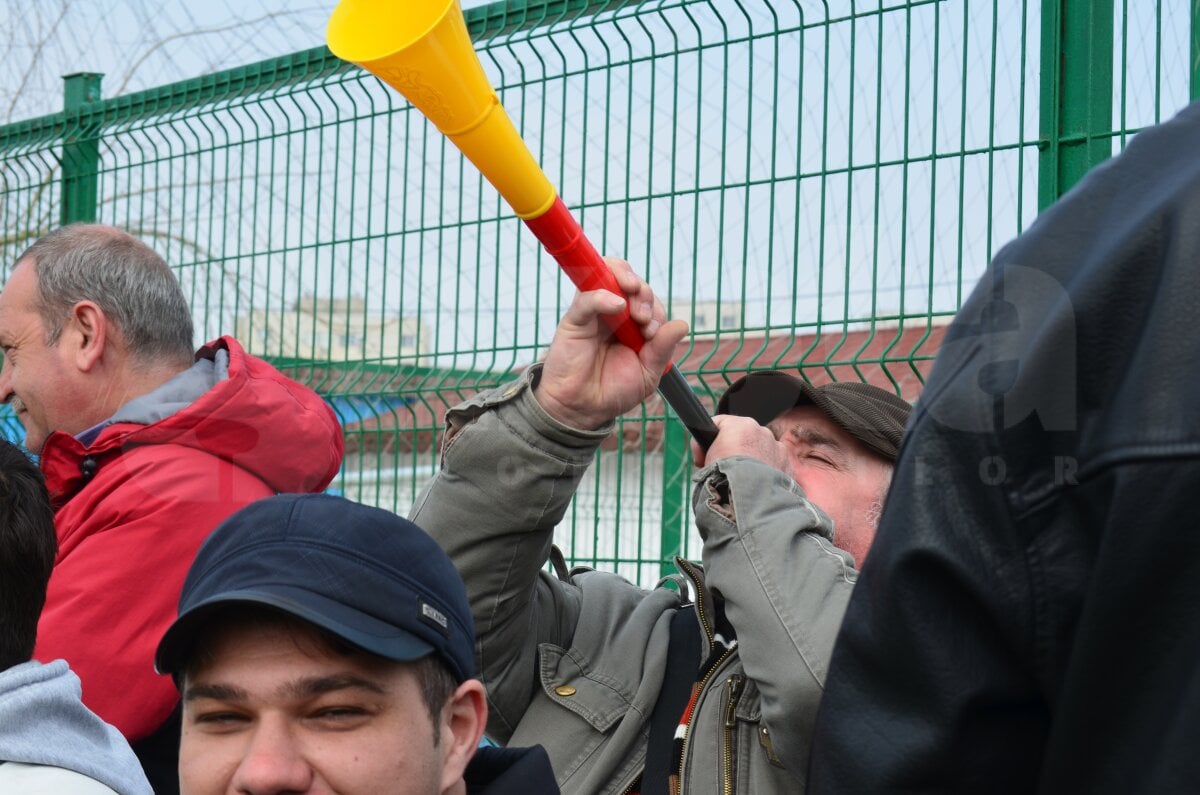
[1029, 617]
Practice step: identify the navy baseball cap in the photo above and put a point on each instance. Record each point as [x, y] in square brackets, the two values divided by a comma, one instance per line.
[874, 416]
[363, 574]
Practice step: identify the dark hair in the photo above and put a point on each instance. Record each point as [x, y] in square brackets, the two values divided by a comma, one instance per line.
[434, 677]
[27, 549]
[126, 278]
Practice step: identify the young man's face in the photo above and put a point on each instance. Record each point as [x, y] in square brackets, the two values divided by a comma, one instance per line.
[274, 712]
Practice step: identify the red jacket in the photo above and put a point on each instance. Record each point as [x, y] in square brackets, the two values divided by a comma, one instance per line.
[127, 535]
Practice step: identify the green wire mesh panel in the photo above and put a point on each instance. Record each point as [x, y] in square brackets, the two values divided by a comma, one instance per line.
[1156, 63]
[814, 186]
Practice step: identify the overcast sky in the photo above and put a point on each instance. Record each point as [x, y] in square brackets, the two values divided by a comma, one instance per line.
[138, 44]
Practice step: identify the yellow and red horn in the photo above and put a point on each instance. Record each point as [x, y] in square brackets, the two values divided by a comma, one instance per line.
[422, 49]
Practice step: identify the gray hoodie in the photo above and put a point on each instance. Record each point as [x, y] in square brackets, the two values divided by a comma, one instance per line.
[43, 722]
[170, 398]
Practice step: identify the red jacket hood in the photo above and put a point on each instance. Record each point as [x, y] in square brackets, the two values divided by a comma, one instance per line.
[257, 418]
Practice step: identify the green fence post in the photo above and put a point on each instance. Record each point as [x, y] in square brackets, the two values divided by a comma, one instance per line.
[676, 465]
[1195, 93]
[1077, 93]
[81, 149]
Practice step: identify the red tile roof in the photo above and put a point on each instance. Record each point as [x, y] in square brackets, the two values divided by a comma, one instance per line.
[894, 358]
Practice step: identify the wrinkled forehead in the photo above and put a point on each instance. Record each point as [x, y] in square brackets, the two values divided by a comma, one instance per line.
[806, 420]
[21, 277]
[808, 424]
[19, 293]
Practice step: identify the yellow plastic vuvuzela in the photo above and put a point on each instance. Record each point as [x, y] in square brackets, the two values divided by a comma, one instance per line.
[422, 50]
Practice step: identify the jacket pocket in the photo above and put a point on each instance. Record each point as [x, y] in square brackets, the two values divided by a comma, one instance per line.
[567, 681]
[573, 714]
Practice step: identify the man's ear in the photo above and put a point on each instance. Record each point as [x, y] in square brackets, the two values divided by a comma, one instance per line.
[87, 329]
[464, 719]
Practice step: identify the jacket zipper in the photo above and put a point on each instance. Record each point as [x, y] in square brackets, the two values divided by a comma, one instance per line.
[691, 573]
[711, 633]
[699, 694]
[734, 689]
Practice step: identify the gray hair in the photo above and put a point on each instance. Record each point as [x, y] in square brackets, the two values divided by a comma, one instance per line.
[130, 283]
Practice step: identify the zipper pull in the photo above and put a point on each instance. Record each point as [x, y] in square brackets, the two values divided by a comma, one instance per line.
[734, 684]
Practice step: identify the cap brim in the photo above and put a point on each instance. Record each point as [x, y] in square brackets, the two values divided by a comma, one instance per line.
[353, 626]
[763, 396]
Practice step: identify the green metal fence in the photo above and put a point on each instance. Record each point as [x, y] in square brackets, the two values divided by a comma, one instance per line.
[813, 185]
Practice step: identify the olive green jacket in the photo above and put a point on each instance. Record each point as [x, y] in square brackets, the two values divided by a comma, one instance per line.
[575, 663]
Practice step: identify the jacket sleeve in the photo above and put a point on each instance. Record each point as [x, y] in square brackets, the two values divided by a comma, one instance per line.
[768, 554]
[508, 472]
[125, 550]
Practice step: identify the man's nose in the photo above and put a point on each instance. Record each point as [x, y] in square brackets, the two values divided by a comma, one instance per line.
[272, 763]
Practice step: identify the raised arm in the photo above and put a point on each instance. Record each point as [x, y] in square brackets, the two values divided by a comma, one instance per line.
[511, 461]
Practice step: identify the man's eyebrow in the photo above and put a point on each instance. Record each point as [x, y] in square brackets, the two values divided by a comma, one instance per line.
[215, 692]
[809, 435]
[306, 687]
[319, 685]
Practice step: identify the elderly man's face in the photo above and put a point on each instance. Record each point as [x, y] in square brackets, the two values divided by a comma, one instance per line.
[36, 377]
[838, 473]
[272, 711]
